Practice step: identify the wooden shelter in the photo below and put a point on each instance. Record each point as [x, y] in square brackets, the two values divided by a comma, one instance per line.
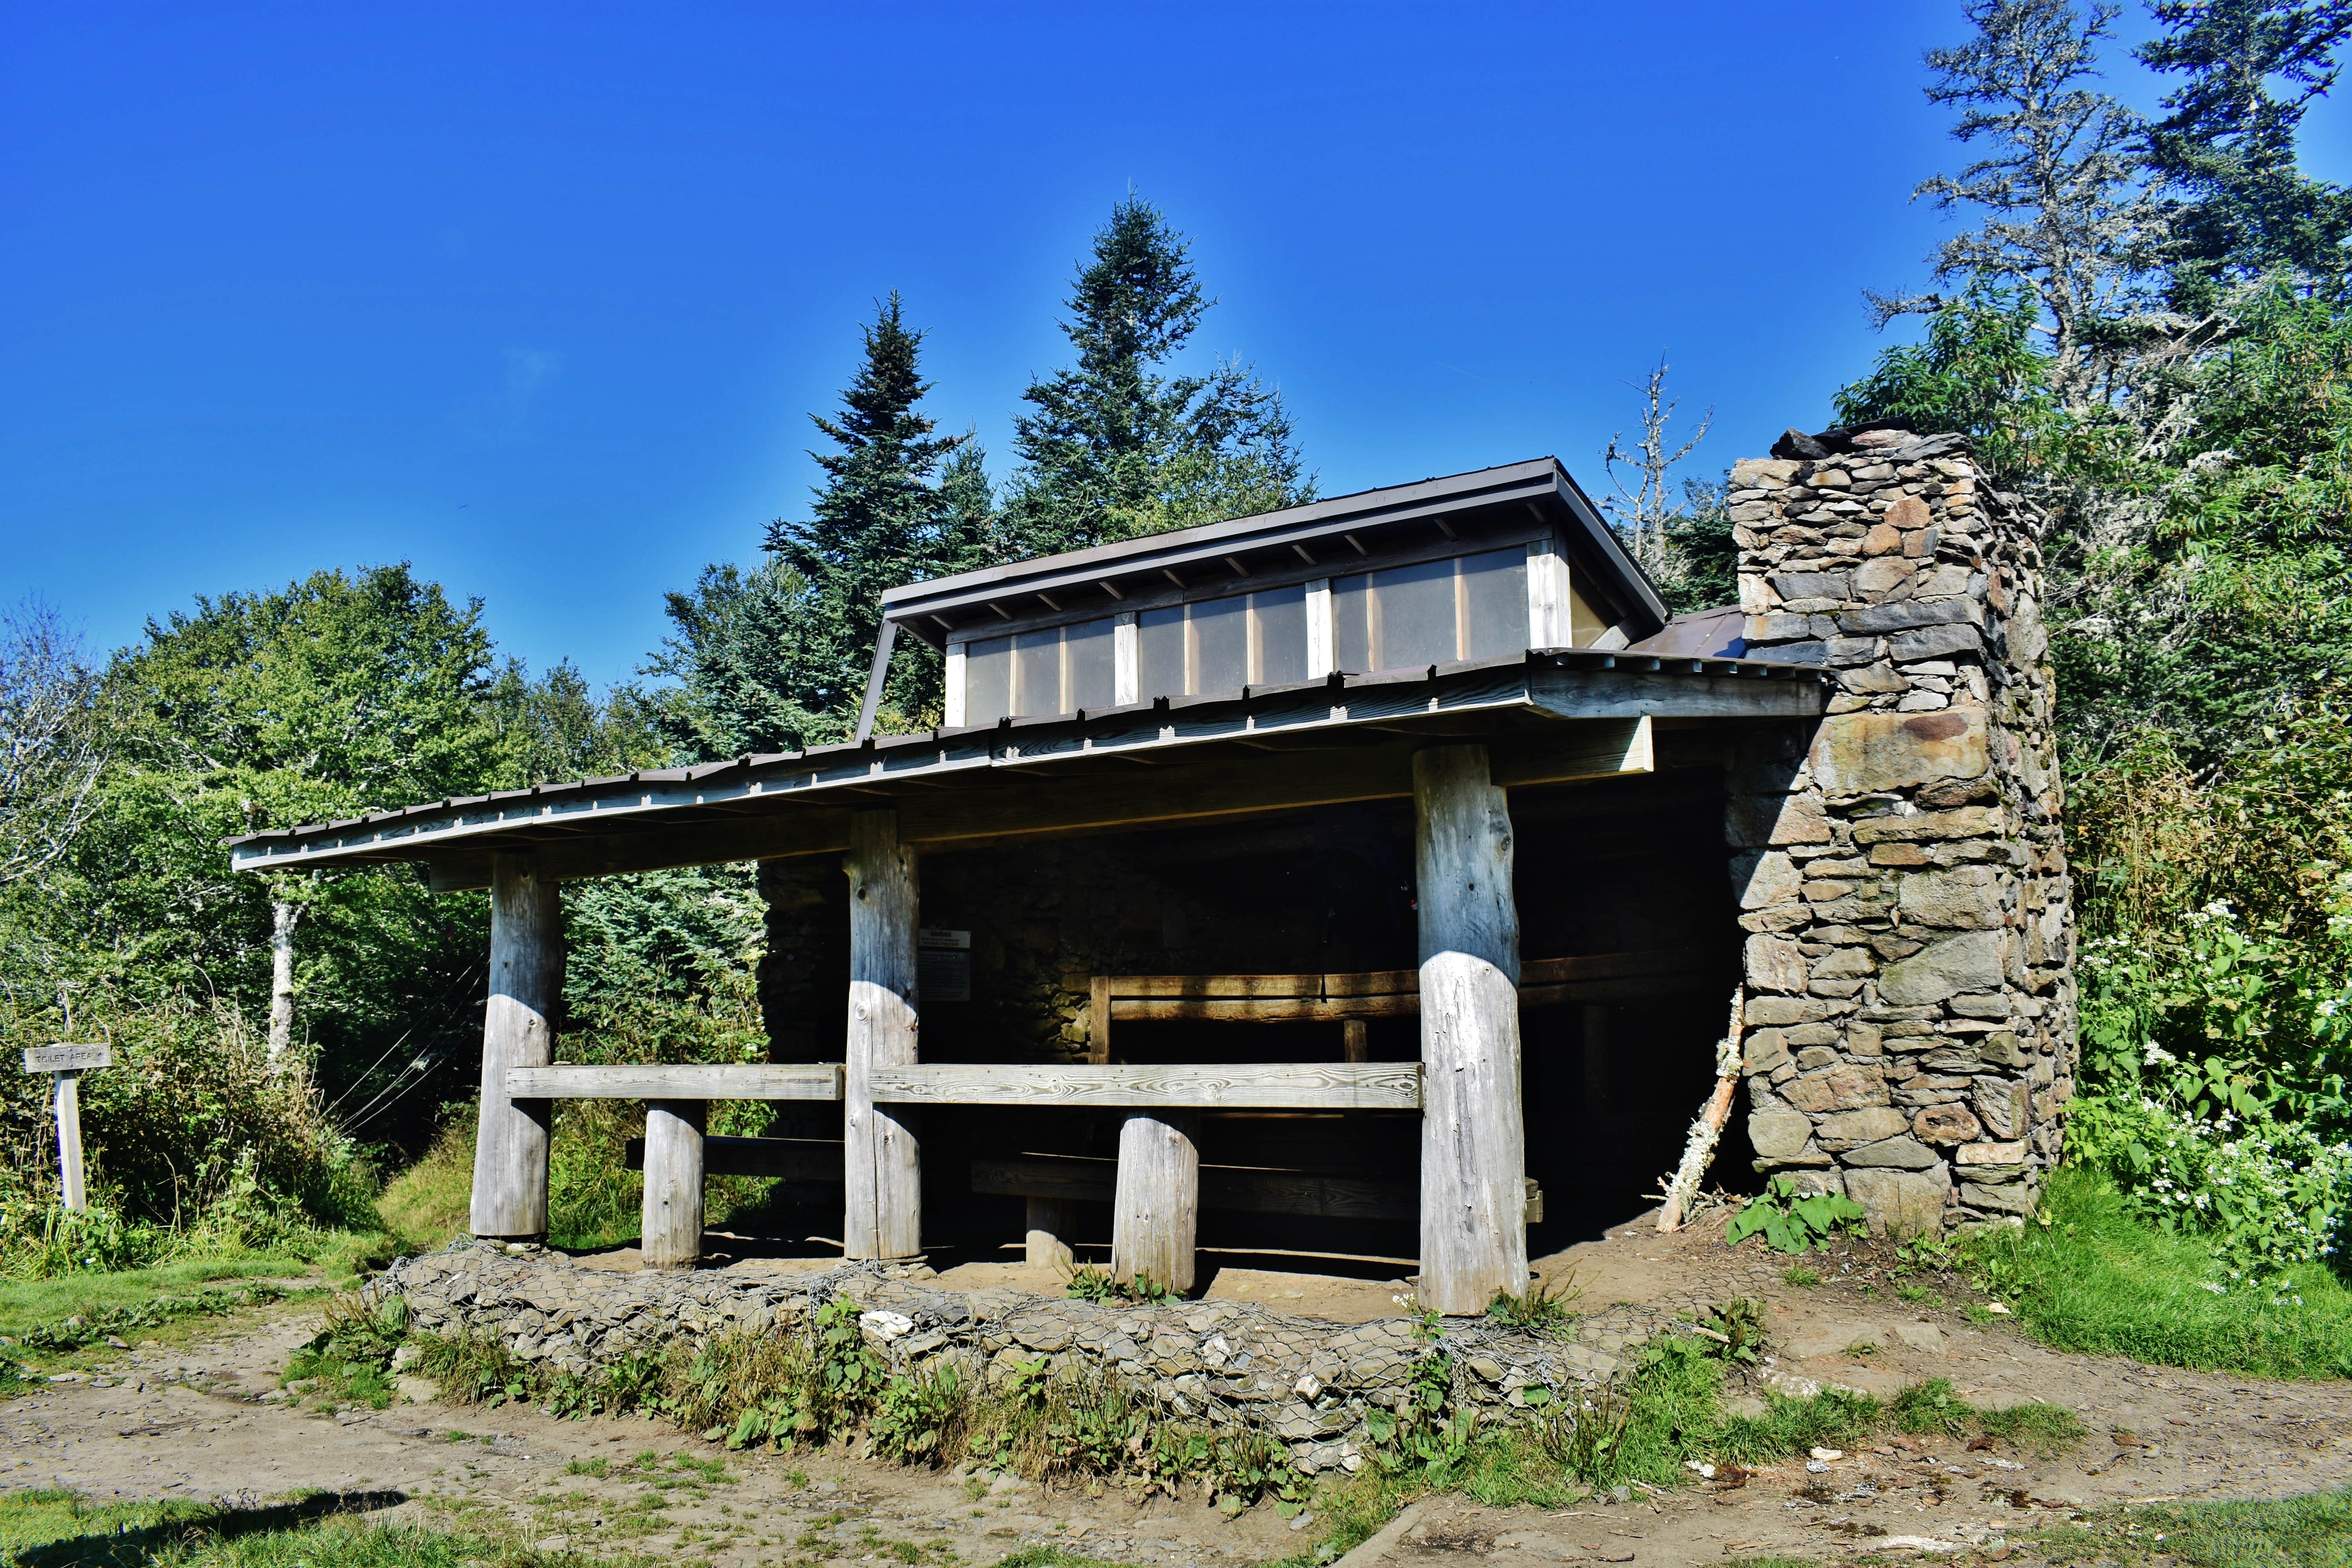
[1463, 644]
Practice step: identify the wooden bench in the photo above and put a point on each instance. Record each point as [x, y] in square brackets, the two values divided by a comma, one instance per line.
[1350, 1000]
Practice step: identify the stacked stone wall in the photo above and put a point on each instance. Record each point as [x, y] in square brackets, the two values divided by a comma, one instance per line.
[1910, 1007]
[1308, 1381]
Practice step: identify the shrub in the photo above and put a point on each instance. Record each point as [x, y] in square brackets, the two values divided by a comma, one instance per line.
[1791, 1223]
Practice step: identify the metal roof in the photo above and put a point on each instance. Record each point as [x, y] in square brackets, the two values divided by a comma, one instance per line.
[1541, 487]
[1500, 696]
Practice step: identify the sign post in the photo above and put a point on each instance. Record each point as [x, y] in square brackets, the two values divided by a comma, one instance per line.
[69, 1063]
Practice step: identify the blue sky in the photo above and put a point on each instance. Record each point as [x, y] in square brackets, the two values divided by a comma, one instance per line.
[540, 297]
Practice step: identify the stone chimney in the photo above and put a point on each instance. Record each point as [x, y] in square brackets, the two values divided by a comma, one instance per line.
[1910, 996]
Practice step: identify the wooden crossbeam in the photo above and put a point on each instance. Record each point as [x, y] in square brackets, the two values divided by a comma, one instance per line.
[1293, 1086]
[678, 1080]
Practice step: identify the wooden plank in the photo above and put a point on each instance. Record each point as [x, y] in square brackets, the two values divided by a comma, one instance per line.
[671, 1223]
[1333, 1086]
[1618, 965]
[1155, 1206]
[1099, 1018]
[1597, 749]
[68, 1059]
[1355, 1041]
[680, 1080]
[511, 1136]
[811, 1160]
[1473, 1233]
[881, 1163]
[1264, 1009]
[65, 1089]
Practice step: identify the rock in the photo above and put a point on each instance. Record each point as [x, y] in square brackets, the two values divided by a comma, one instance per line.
[2001, 1105]
[1796, 444]
[1775, 964]
[1865, 754]
[1966, 896]
[1779, 1134]
[1759, 820]
[1883, 539]
[1867, 1125]
[1887, 575]
[1845, 1088]
[1969, 962]
[416, 1390]
[1769, 879]
[1921, 1337]
[1992, 1153]
[1908, 615]
[2011, 1197]
[1946, 1124]
[1834, 1339]
[1900, 1204]
[1904, 1152]
[1934, 642]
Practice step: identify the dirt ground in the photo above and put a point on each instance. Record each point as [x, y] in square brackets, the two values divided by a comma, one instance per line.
[207, 1421]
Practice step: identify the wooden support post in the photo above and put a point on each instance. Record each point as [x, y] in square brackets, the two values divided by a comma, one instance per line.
[1473, 1233]
[1156, 1206]
[526, 980]
[881, 1163]
[672, 1236]
[1051, 1223]
[1355, 1040]
[70, 1174]
[64, 1064]
[1098, 1019]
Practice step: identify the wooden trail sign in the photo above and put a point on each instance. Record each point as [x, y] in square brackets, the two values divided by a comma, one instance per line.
[69, 1063]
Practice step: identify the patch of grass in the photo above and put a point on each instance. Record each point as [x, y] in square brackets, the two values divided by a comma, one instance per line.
[2045, 1429]
[2314, 1532]
[51, 1528]
[1802, 1276]
[430, 1204]
[2095, 1279]
[599, 1468]
[1545, 1307]
[27, 1303]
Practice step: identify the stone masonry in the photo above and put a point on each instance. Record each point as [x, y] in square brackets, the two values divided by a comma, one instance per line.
[1308, 1381]
[1910, 993]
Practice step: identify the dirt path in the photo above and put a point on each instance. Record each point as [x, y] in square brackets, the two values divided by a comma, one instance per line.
[207, 1421]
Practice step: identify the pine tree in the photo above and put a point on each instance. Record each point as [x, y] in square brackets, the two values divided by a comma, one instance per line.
[2066, 213]
[776, 658]
[1113, 449]
[2227, 142]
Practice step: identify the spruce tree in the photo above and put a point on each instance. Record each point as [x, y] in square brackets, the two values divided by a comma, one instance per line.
[2226, 147]
[1111, 449]
[776, 658]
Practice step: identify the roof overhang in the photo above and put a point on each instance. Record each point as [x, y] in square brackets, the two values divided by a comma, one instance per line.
[1541, 489]
[1548, 716]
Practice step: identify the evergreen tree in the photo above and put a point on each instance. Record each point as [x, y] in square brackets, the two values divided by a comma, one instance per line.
[776, 658]
[1112, 449]
[2066, 215]
[2227, 141]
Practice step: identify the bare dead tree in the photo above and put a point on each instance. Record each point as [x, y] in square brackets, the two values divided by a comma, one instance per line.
[1643, 510]
[51, 743]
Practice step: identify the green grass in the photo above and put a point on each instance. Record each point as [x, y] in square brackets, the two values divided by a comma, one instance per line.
[2099, 1280]
[49, 1528]
[2312, 1531]
[66, 1319]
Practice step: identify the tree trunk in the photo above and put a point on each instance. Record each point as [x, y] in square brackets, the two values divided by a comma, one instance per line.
[1156, 1212]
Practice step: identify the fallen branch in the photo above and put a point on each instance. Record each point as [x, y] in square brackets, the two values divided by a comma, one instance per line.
[1707, 1130]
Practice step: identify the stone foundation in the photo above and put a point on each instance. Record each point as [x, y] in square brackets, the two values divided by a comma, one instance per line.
[1308, 1381]
[1910, 990]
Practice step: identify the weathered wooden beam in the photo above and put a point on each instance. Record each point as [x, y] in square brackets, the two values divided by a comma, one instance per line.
[1294, 1086]
[1473, 1233]
[526, 982]
[671, 1224]
[1398, 981]
[1155, 1208]
[679, 1080]
[881, 1163]
[802, 1161]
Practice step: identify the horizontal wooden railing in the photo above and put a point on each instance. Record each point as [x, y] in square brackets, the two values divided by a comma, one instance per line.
[1278, 1086]
[678, 1080]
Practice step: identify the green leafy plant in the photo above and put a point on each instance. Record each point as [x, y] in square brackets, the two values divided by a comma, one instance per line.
[1792, 1223]
[916, 1415]
[1545, 1307]
[1088, 1283]
[1734, 1330]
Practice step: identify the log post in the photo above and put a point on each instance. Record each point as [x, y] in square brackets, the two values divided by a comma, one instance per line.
[1051, 1223]
[526, 980]
[882, 1164]
[1355, 1040]
[1473, 1233]
[672, 1234]
[68, 1090]
[1156, 1205]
